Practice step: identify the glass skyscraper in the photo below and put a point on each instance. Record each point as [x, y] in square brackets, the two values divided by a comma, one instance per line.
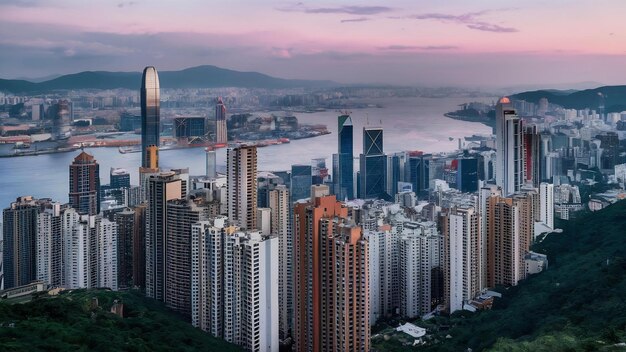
[343, 161]
[373, 165]
[301, 180]
[150, 112]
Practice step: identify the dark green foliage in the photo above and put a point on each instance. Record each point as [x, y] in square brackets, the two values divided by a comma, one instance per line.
[578, 304]
[67, 323]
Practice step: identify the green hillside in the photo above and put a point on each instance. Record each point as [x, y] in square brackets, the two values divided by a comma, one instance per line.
[67, 323]
[614, 98]
[578, 304]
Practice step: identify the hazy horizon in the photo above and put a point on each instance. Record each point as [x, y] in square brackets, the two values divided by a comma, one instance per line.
[482, 43]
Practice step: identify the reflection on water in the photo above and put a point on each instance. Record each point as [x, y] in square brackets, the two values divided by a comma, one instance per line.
[409, 124]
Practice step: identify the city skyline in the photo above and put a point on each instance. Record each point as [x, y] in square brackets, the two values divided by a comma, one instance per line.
[484, 43]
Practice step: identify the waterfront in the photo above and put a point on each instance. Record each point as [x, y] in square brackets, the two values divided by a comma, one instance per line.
[409, 124]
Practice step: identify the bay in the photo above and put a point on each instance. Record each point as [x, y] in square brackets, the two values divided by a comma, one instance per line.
[408, 123]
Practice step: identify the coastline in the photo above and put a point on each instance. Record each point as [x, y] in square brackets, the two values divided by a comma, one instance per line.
[482, 120]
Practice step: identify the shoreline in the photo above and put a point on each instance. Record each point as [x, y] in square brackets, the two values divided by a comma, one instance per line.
[485, 121]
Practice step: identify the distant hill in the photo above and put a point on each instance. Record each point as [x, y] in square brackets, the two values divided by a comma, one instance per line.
[68, 323]
[195, 77]
[614, 98]
[577, 304]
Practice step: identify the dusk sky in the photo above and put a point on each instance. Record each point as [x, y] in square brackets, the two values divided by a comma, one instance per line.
[426, 43]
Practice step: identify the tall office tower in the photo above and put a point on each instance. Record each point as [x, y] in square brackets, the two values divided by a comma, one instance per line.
[50, 244]
[417, 172]
[301, 181]
[266, 182]
[211, 163]
[162, 188]
[546, 194]
[181, 214]
[221, 133]
[467, 175]
[373, 165]
[150, 112]
[85, 184]
[329, 248]
[395, 172]
[90, 251]
[509, 148]
[461, 257]
[1, 262]
[234, 284]
[319, 171]
[484, 193]
[139, 245]
[383, 271]
[125, 221]
[420, 265]
[343, 161]
[148, 171]
[242, 186]
[119, 178]
[510, 224]
[59, 113]
[279, 203]
[532, 155]
[19, 245]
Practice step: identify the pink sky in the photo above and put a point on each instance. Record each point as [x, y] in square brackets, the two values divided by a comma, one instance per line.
[405, 42]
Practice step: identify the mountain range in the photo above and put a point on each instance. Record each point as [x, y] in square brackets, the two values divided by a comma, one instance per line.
[206, 76]
[614, 98]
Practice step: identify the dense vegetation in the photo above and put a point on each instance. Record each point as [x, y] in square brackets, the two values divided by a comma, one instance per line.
[578, 304]
[69, 323]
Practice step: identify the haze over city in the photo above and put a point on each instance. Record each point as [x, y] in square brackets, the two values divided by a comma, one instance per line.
[426, 43]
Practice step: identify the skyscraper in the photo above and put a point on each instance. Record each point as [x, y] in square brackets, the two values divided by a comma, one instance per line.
[85, 184]
[461, 256]
[50, 244]
[162, 188]
[279, 203]
[150, 112]
[373, 164]
[125, 221]
[417, 172]
[139, 245]
[221, 134]
[467, 175]
[343, 161]
[19, 245]
[301, 180]
[510, 148]
[119, 178]
[242, 186]
[234, 284]
[329, 249]
[181, 214]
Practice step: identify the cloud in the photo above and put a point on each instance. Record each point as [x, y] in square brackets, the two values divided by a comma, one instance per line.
[126, 3]
[359, 19]
[470, 19]
[350, 10]
[416, 47]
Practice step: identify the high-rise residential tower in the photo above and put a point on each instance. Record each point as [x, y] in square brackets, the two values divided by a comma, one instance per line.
[373, 167]
[329, 249]
[19, 245]
[510, 148]
[85, 184]
[150, 112]
[242, 190]
[162, 188]
[279, 203]
[343, 161]
[221, 134]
